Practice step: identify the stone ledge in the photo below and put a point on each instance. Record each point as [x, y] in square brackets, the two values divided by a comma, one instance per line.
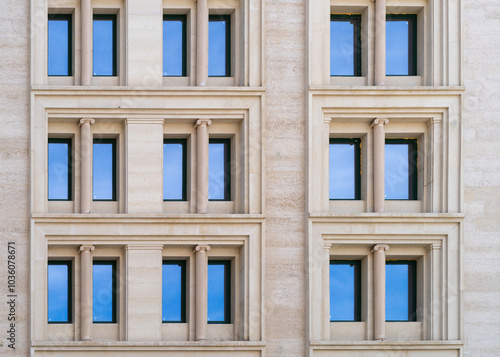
[387, 345]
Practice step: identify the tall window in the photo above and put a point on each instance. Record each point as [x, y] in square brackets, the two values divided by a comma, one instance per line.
[401, 289]
[104, 291]
[345, 290]
[59, 291]
[345, 45]
[104, 45]
[174, 169]
[401, 175]
[174, 291]
[59, 169]
[219, 45]
[174, 45]
[401, 45]
[104, 170]
[345, 169]
[219, 291]
[219, 170]
[60, 41]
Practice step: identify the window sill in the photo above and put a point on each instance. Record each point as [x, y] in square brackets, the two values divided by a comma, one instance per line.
[61, 80]
[394, 346]
[403, 80]
[348, 331]
[348, 81]
[176, 81]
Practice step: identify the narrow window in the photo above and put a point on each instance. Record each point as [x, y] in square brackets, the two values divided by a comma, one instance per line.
[345, 45]
[104, 170]
[401, 174]
[60, 41]
[174, 291]
[104, 291]
[104, 45]
[400, 290]
[345, 169]
[219, 291]
[174, 45]
[401, 45]
[345, 290]
[59, 291]
[219, 170]
[174, 169]
[219, 45]
[59, 169]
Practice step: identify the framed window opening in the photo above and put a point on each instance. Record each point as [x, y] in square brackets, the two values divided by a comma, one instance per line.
[104, 170]
[174, 46]
[219, 46]
[219, 292]
[401, 32]
[60, 169]
[104, 49]
[104, 291]
[345, 177]
[174, 169]
[174, 291]
[401, 290]
[345, 45]
[60, 45]
[59, 292]
[219, 170]
[401, 169]
[345, 290]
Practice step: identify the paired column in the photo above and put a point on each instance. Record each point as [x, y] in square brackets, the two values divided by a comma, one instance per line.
[379, 290]
[380, 22]
[202, 165]
[86, 53]
[201, 42]
[86, 292]
[201, 281]
[379, 164]
[85, 164]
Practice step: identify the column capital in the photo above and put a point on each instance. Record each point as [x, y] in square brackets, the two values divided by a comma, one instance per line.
[84, 121]
[201, 248]
[201, 122]
[379, 121]
[433, 121]
[327, 121]
[433, 246]
[380, 247]
[86, 248]
[327, 246]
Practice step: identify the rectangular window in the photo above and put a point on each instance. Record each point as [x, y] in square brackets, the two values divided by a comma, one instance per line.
[174, 45]
[104, 45]
[401, 45]
[174, 169]
[60, 41]
[59, 291]
[174, 291]
[401, 174]
[345, 169]
[104, 170]
[345, 45]
[219, 291]
[219, 45]
[104, 291]
[400, 290]
[345, 290]
[59, 169]
[219, 170]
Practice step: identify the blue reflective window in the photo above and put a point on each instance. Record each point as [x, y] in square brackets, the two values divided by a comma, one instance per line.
[59, 291]
[219, 170]
[104, 170]
[400, 290]
[401, 45]
[60, 45]
[401, 174]
[104, 45]
[345, 290]
[219, 291]
[345, 45]
[174, 45]
[219, 45]
[345, 169]
[59, 169]
[174, 291]
[104, 291]
[174, 169]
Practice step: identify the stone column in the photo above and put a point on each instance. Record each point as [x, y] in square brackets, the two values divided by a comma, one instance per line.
[325, 278]
[201, 42]
[86, 292]
[201, 281]
[85, 164]
[379, 164]
[379, 290]
[380, 22]
[202, 165]
[86, 41]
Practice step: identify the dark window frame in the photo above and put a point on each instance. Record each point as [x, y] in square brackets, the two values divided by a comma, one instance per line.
[114, 294]
[356, 21]
[68, 141]
[412, 167]
[69, 264]
[412, 288]
[227, 290]
[114, 143]
[69, 18]
[183, 19]
[227, 18]
[113, 18]
[357, 287]
[357, 166]
[183, 142]
[412, 41]
[182, 264]
[227, 167]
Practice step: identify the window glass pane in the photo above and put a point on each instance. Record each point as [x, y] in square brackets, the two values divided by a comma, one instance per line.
[343, 290]
[103, 299]
[396, 293]
[59, 169]
[59, 45]
[400, 169]
[397, 46]
[104, 60]
[174, 47]
[173, 292]
[344, 47]
[218, 170]
[218, 46]
[343, 170]
[59, 291]
[217, 287]
[103, 170]
[174, 170]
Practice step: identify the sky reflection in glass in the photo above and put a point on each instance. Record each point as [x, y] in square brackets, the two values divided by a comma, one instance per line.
[173, 171]
[59, 45]
[104, 61]
[217, 166]
[397, 55]
[59, 168]
[59, 298]
[342, 176]
[103, 292]
[216, 291]
[342, 37]
[397, 178]
[173, 295]
[174, 46]
[396, 292]
[218, 46]
[103, 185]
[342, 292]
